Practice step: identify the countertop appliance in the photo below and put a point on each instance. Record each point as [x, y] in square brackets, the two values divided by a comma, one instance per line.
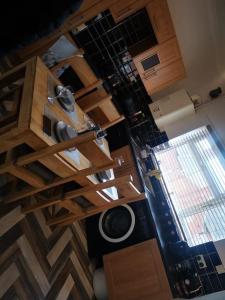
[171, 108]
[136, 225]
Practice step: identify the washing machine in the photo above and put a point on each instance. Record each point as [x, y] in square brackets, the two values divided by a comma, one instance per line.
[118, 228]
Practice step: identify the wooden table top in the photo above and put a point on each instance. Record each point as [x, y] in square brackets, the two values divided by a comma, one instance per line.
[43, 79]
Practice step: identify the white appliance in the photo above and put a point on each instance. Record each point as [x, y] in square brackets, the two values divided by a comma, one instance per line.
[99, 284]
[172, 108]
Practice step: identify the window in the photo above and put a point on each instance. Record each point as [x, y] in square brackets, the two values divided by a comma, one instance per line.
[193, 169]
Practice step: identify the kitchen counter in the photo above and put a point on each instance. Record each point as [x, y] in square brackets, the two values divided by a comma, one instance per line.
[214, 296]
[173, 250]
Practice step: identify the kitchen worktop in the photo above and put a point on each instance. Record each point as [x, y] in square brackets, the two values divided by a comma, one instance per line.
[166, 230]
[180, 260]
[214, 296]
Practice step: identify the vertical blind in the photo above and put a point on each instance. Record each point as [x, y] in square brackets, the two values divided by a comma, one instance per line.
[193, 170]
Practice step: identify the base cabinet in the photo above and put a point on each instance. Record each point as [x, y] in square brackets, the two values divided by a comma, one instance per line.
[128, 166]
[137, 273]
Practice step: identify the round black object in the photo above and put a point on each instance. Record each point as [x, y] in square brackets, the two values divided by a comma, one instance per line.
[143, 230]
[127, 101]
[65, 132]
[215, 93]
[116, 222]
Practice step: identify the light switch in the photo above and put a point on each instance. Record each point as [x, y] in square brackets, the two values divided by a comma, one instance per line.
[201, 261]
[220, 269]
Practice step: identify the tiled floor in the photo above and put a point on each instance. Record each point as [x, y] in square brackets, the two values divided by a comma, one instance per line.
[37, 262]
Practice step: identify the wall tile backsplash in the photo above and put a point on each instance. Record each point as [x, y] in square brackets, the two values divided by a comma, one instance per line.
[207, 273]
[211, 280]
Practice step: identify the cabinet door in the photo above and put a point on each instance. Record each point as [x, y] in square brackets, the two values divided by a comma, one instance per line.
[125, 155]
[88, 10]
[124, 8]
[157, 58]
[136, 272]
[128, 166]
[158, 80]
[161, 20]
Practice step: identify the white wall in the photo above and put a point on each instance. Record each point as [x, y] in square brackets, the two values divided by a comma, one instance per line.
[200, 29]
[212, 113]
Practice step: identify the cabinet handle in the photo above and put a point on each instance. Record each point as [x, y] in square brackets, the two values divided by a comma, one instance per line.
[125, 11]
[149, 75]
[149, 72]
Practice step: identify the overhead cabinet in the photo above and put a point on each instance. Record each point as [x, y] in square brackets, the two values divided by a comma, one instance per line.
[122, 9]
[160, 66]
[161, 21]
[157, 58]
[158, 12]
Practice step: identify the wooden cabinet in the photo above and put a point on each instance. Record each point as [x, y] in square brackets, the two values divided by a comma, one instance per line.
[128, 166]
[165, 77]
[160, 66]
[165, 57]
[137, 272]
[88, 10]
[157, 57]
[122, 9]
[158, 12]
[161, 21]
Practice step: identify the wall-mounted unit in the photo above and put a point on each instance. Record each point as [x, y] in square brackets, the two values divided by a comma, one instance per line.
[172, 108]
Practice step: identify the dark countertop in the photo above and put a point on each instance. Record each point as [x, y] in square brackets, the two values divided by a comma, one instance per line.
[173, 249]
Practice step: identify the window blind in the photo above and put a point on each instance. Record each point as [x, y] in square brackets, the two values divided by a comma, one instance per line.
[193, 170]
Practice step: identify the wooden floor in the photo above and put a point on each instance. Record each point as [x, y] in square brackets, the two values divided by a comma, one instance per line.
[37, 262]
